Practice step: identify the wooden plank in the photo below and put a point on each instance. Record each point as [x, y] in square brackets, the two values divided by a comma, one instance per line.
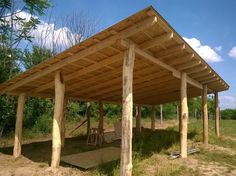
[156, 41]
[150, 21]
[18, 126]
[127, 113]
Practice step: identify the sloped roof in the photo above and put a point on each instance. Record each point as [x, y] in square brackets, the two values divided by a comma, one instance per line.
[92, 70]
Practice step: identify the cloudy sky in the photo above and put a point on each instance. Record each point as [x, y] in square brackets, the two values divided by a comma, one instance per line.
[208, 26]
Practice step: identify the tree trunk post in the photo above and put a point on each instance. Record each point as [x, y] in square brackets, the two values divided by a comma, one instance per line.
[18, 126]
[63, 122]
[205, 115]
[101, 115]
[217, 115]
[127, 112]
[138, 118]
[87, 115]
[177, 113]
[184, 116]
[153, 118]
[58, 113]
[161, 114]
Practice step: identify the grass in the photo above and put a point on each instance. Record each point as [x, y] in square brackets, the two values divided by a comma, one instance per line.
[151, 148]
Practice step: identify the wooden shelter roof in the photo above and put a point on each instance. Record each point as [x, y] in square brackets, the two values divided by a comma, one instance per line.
[92, 70]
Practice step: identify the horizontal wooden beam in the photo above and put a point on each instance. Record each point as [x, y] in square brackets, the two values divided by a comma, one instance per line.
[150, 21]
[155, 60]
[156, 41]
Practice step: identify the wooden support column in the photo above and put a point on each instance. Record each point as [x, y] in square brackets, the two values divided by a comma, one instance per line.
[177, 113]
[127, 113]
[138, 118]
[217, 115]
[18, 127]
[161, 114]
[153, 118]
[58, 112]
[87, 114]
[101, 114]
[63, 122]
[183, 116]
[205, 115]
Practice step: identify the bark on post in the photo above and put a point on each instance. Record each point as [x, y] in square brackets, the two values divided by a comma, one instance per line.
[161, 114]
[138, 118]
[18, 127]
[153, 118]
[101, 114]
[183, 116]
[205, 115]
[217, 115]
[58, 112]
[127, 113]
[63, 122]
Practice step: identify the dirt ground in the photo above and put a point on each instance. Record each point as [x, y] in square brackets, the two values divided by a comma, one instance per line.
[36, 156]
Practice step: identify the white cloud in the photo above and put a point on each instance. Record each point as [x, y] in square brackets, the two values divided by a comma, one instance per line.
[232, 52]
[227, 102]
[218, 48]
[205, 51]
[48, 35]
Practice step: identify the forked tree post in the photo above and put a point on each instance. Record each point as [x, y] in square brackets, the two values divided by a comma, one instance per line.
[101, 115]
[153, 118]
[205, 115]
[63, 122]
[184, 116]
[161, 114]
[217, 115]
[58, 112]
[138, 118]
[127, 112]
[18, 126]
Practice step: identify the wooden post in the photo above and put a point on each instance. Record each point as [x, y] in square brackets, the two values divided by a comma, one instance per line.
[177, 113]
[184, 116]
[161, 114]
[138, 118]
[101, 114]
[205, 115]
[217, 115]
[87, 115]
[18, 127]
[153, 118]
[127, 113]
[63, 122]
[58, 112]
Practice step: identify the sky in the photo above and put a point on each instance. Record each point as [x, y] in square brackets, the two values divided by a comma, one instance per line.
[209, 26]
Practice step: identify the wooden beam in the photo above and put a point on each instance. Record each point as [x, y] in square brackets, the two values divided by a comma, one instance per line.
[175, 72]
[156, 41]
[153, 116]
[63, 122]
[180, 60]
[148, 22]
[138, 118]
[58, 112]
[18, 126]
[184, 116]
[205, 115]
[101, 115]
[161, 114]
[188, 65]
[127, 113]
[84, 71]
[217, 115]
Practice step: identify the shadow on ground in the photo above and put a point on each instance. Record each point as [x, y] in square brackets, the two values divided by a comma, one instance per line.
[144, 144]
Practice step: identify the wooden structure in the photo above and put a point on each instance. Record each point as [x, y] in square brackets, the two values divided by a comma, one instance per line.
[140, 60]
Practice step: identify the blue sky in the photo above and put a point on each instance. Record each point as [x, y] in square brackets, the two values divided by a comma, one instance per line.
[211, 22]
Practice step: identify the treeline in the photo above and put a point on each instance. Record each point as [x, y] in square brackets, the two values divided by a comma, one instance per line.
[19, 51]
